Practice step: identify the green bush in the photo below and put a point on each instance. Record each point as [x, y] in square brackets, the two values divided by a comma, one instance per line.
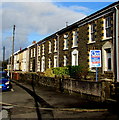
[61, 71]
[72, 71]
[49, 73]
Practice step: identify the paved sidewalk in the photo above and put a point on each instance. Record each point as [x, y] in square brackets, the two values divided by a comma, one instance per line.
[56, 99]
[71, 106]
[62, 100]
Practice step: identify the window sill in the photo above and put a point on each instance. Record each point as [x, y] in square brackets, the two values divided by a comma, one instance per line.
[65, 49]
[49, 52]
[91, 42]
[74, 46]
[55, 50]
[108, 38]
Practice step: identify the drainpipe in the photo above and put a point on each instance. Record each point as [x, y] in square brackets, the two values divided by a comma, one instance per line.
[117, 45]
[58, 50]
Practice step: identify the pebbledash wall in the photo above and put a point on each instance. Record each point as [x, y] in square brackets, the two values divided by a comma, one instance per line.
[71, 46]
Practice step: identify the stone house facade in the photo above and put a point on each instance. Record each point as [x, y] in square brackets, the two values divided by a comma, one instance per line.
[72, 45]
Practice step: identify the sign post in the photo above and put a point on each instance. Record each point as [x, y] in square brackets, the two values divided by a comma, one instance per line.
[96, 74]
[95, 60]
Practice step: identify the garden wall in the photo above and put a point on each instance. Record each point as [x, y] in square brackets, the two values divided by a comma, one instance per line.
[96, 91]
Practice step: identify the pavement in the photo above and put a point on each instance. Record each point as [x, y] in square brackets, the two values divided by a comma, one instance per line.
[71, 106]
[56, 99]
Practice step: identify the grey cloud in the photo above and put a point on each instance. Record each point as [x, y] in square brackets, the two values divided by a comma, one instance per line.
[42, 18]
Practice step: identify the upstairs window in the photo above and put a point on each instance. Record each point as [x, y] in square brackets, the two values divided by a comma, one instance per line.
[38, 50]
[65, 42]
[31, 53]
[107, 27]
[43, 50]
[50, 47]
[91, 33]
[75, 39]
[55, 45]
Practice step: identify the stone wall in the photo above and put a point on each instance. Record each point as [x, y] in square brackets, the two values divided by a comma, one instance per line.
[97, 91]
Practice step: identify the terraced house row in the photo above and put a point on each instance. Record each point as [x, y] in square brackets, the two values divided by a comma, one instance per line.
[72, 44]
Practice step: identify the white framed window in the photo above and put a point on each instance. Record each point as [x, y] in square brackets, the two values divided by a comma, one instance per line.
[43, 64]
[75, 39]
[55, 45]
[107, 56]
[50, 47]
[92, 33]
[49, 63]
[31, 53]
[55, 61]
[107, 27]
[31, 65]
[34, 52]
[65, 42]
[65, 60]
[15, 62]
[38, 66]
[74, 57]
[108, 59]
[39, 48]
[43, 49]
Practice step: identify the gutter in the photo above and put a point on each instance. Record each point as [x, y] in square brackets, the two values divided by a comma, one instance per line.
[117, 43]
[95, 16]
[88, 21]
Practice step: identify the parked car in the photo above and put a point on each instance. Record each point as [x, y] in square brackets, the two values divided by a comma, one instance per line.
[5, 83]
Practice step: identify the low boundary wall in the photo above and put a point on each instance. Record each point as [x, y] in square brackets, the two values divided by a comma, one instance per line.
[95, 91]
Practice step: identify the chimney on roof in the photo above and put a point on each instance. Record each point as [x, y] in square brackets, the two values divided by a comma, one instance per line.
[34, 42]
[66, 24]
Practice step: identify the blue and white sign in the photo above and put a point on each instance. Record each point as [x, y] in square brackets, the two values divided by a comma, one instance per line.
[95, 58]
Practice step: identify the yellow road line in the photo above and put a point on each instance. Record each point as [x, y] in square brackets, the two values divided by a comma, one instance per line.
[57, 109]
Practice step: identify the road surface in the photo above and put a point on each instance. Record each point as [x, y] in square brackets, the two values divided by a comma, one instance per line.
[46, 103]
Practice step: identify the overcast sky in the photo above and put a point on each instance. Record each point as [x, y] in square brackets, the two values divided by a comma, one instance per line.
[37, 20]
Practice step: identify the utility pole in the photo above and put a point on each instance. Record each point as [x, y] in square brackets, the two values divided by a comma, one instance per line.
[12, 59]
[3, 63]
[3, 53]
